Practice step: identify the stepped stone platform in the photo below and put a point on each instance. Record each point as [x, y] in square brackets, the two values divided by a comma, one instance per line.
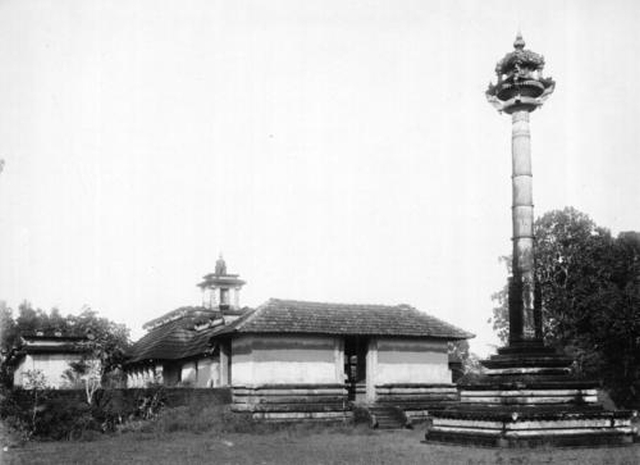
[528, 397]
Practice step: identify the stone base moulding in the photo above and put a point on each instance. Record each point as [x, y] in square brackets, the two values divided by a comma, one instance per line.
[528, 397]
[417, 400]
[292, 402]
[522, 429]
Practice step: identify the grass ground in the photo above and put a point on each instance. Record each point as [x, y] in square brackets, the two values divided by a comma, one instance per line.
[297, 447]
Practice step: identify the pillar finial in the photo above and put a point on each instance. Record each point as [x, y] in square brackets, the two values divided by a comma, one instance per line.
[521, 84]
[519, 43]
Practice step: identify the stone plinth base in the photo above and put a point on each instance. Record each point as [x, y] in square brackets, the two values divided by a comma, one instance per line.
[528, 397]
[502, 428]
[416, 400]
[292, 402]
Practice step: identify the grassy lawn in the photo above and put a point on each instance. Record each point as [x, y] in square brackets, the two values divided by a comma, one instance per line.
[297, 447]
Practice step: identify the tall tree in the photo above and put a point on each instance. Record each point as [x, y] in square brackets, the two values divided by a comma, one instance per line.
[107, 340]
[590, 286]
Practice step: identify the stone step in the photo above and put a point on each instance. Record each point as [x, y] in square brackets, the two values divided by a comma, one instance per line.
[386, 417]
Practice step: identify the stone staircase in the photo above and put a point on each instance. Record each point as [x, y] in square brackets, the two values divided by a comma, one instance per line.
[387, 417]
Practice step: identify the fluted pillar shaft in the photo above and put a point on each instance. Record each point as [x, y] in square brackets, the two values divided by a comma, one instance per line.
[522, 319]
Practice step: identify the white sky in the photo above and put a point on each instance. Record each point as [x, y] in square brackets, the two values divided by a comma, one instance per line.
[332, 150]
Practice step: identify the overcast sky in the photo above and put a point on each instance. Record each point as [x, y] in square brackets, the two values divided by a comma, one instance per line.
[339, 151]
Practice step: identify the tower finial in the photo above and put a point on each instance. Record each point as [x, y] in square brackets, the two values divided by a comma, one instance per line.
[519, 43]
[221, 266]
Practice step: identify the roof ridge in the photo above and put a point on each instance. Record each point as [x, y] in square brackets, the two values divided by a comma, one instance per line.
[280, 315]
[251, 315]
[345, 304]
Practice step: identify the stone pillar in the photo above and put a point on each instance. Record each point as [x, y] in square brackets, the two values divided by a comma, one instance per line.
[159, 377]
[236, 297]
[522, 289]
[212, 297]
[372, 366]
[225, 378]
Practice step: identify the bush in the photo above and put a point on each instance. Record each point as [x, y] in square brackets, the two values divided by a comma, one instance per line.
[196, 419]
[361, 415]
[220, 419]
[35, 414]
[21, 410]
[150, 402]
[65, 419]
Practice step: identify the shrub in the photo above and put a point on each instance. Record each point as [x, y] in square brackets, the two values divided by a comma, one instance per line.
[150, 401]
[67, 419]
[220, 419]
[361, 415]
[35, 414]
[196, 419]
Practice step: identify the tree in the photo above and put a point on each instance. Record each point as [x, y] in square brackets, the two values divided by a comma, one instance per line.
[107, 340]
[85, 374]
[590, 287]
[469, 362]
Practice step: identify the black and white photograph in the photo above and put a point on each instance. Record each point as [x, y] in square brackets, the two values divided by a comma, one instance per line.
[319, 232]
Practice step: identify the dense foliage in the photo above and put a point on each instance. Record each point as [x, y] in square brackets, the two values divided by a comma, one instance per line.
[45, 414]
[107, 341]
[590, 284]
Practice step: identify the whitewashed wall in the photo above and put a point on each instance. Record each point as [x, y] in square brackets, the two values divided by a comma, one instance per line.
[51, 365]
[284, 359]
[189, 373]
[411, 361]
[208, 373]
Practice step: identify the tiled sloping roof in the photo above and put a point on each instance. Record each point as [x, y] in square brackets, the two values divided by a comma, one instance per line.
[191, 314]
[172, 341]
[38, 344]
[291, 316]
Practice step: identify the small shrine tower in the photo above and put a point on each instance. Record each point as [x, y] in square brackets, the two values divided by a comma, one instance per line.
[218, 287]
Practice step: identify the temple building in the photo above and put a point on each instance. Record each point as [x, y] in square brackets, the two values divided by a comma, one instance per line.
[317, 356]
[177, 349]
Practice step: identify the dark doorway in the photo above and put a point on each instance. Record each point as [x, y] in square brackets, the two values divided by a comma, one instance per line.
[355, 366]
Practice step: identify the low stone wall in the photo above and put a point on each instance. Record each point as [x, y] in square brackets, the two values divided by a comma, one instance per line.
[293, 402]
[127, 401]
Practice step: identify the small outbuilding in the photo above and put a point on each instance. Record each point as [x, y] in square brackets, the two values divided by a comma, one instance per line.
[51, 356]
